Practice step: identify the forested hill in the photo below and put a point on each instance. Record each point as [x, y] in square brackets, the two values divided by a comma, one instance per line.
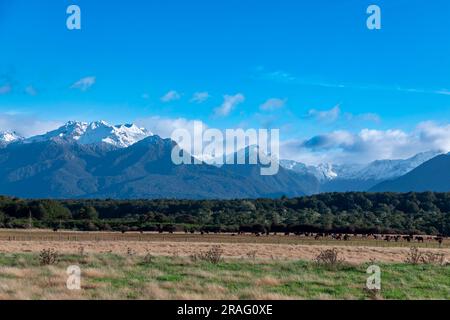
[342, 212]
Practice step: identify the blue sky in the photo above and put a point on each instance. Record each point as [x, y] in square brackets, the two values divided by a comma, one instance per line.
[310, 68]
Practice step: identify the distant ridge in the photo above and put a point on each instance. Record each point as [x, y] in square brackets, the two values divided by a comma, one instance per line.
[433, 175]
[343, 178]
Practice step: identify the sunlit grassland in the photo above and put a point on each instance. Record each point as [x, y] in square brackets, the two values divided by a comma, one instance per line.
[111, 276]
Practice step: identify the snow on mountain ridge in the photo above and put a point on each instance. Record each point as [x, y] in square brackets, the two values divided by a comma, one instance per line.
[389, 169]
[120, 136]
[8, 137]
[376, 170]
[326, 170]
[322, 172]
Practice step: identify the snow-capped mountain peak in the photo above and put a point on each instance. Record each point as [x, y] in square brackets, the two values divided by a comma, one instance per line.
[8, 137]
[323, 172]
[120, 136]
[389, 169]
[327, 171]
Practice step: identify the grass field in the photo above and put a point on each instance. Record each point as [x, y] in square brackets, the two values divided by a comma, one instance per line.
[110, 276]
[117, 266]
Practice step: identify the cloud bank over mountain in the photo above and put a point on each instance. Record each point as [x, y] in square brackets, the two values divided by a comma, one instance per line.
[368, 145]
[335, 146]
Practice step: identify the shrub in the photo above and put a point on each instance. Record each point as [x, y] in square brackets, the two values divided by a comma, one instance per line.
[48, 257]
[213, 255]
[252, 255]
[329, 258]
[414, 256]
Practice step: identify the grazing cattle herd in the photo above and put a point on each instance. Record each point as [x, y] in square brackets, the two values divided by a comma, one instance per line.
[348, 237]
[387, 238]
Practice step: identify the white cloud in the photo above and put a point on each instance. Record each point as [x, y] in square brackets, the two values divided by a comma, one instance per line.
[31, 91]
[273, 104]
[434, 135]
[369, 145]
[326, 115]
[25, 124]
[229, 103]
[335, 113]
[4, 89]
[200, 97]
[84, 84]
[164, 127]
[171, 96]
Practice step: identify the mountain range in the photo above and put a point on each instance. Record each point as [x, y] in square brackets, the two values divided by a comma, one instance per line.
[359, 177]
[99, 160]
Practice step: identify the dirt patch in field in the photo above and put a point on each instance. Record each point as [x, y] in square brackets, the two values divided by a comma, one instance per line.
[356, 254]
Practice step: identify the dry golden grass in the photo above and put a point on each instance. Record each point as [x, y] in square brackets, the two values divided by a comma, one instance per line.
[267, 281]
[356, 254]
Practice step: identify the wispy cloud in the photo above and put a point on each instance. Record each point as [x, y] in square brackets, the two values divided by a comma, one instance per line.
[6, 88]
[171, 96]
[286, 77]
[31, 91]
[277, 76]
[444, 92]
[84, 83]
[326, 115]
[372, 117]
[200, 97]
[273, 104]
[335, 113]
[229, 104]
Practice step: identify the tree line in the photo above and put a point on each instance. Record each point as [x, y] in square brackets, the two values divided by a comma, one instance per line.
[353, 212]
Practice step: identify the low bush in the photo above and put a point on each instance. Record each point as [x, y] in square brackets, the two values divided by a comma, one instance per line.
[48, 257]
[329, 258]
[415, 256]
[213, 255]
